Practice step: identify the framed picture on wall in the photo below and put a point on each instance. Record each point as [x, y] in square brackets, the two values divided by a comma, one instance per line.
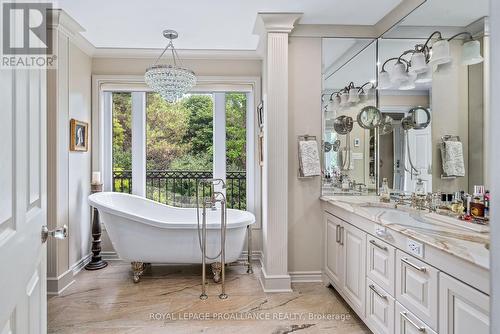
[79, 136]
[260, 114]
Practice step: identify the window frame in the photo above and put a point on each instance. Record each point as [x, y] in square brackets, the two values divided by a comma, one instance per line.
[104, 85]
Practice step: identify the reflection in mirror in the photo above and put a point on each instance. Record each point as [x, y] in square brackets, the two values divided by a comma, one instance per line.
[431, 82]
[369, 117]
[349, 74]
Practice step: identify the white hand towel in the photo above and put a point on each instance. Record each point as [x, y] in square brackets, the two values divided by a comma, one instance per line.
[309, 158]
[452, 155]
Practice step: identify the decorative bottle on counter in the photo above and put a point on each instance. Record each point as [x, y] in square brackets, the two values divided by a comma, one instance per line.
[385, 196]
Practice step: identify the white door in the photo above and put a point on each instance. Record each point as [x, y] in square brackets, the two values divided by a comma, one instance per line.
[420, 142]
[23, 199]
[354, 242]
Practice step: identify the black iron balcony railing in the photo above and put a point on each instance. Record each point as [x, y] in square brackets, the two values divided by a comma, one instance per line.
[180, 187]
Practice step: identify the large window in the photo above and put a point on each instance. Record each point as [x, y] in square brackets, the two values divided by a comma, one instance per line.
[122, 141]
[179, 145]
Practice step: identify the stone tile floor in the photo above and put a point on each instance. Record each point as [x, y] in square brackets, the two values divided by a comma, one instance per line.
[166, 300]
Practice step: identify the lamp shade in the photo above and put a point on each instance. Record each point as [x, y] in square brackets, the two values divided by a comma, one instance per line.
[384, 80]
[440, 53]
[424, 77]
[418, 63]
[344, 97]
[409, 83]
[399, 74]
[471, 53]
[353, 95]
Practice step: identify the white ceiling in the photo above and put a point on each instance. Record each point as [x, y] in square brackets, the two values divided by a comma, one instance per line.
[452, 13]
[202, 24]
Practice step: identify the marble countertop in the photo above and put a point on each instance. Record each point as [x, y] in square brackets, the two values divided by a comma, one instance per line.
[465, 240]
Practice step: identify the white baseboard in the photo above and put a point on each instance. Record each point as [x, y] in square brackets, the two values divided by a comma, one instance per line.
[274, 283]
[110, 256]
[56, 285]
[306, 276]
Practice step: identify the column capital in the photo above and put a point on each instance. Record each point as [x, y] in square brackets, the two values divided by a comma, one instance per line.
[276, 22]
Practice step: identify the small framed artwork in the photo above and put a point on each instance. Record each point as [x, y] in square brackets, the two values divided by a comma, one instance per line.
[79, 132]
[260, 114]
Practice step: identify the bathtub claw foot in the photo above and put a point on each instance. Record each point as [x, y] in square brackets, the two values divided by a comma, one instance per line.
[137, 269]
[216, 270]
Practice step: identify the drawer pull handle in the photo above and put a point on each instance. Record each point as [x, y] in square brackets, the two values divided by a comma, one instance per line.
[372, 287]
[422, 269]
[342, 235]
[405, 316]
[374, 243]
[337, 234]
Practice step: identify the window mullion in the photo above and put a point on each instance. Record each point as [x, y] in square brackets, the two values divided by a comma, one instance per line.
[139, 143]
[219, 137]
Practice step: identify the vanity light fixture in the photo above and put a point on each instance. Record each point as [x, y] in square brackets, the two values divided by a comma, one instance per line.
[171, 81]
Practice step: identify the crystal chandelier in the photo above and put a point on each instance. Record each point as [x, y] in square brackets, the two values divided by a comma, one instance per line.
[170, 81]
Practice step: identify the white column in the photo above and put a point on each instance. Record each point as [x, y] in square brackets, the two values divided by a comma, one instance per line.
[250, 152]
[219, 140]
[275, 277]
[494, 164]
[139, 143]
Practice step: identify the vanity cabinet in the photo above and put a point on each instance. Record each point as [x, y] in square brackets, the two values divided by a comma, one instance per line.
[408, 323]
[345, 260]
[334, 255]
[379, 309]
[380, 257]
[353, 241]
[417, 287]
[394, 292]
[463, 309]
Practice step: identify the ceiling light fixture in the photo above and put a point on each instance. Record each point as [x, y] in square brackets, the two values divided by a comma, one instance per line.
[171, 81]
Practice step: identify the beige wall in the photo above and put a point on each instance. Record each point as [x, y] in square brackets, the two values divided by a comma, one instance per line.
[68, 176]
[79, 164]
[202, 67]
[449, 105]
[304, 207]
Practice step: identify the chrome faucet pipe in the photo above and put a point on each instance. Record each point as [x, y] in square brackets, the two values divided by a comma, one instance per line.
[203, 295]
[223, 222]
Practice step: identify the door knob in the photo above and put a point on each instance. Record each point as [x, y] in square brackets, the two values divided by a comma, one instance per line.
[58, 233]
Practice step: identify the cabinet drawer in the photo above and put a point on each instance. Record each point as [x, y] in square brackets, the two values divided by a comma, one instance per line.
[380, 263]
[408, 323]
[379, 309]
[417, 288]
[463, 310]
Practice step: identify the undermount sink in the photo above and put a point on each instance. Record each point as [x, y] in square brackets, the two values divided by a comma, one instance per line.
[413, 218]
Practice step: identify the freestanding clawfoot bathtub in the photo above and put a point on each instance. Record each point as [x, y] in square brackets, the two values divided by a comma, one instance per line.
[144, 231]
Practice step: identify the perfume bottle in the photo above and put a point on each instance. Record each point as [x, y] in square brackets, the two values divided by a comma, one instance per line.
[419, 188]
[385, 196]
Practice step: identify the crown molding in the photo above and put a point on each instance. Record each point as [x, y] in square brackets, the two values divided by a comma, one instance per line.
[276, 22]
[60, 21]
[334, 30]
[152, 53]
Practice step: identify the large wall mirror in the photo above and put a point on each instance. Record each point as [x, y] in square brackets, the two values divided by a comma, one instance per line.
[431, 83]
[423, 124]
[349, 152]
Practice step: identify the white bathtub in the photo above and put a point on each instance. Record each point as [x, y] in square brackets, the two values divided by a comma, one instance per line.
[145, 231]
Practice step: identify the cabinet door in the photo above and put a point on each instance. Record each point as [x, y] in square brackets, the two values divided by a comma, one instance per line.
[354, 242]
[379, 309]
[408, 323]
[380, 263]
[417, 288]
[463, 310]
[334, 264]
